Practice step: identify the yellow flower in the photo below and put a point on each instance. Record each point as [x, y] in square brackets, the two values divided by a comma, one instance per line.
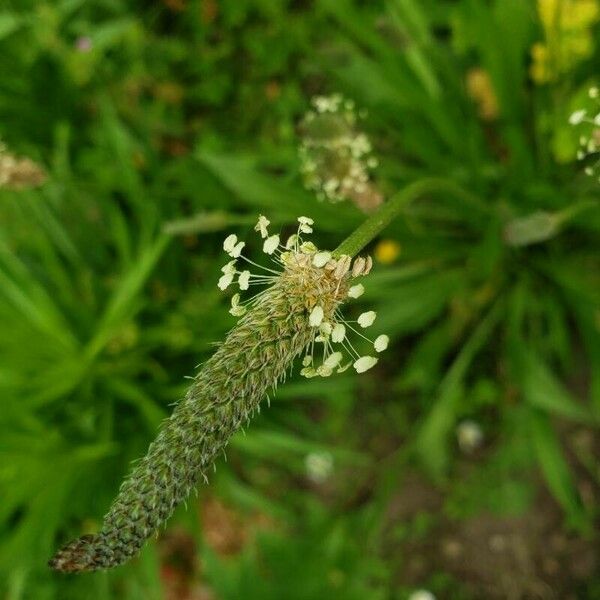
[387, 251]
[568, 37]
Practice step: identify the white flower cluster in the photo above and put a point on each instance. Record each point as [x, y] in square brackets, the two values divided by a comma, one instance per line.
[329, 329]
[589, 145]
[335, 158]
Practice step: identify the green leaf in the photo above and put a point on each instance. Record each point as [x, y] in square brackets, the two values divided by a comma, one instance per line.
[432, 438]
[542, 390]
[556, 470]
[260, 191]
[9, 22]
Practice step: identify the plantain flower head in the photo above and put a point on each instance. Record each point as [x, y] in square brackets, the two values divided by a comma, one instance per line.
[320, 284]
[298, 312]
[336, 157]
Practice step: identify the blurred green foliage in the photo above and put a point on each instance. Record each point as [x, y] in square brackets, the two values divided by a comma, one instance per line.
[165, 124]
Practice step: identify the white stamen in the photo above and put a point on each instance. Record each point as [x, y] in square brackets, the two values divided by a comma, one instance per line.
[381, 343]
[320, 259]
[356, 291]
[308, 248]
[229, 267]
[308, 372]
[291, 241]
[364, 363]
[325, 328]
[225, 281]
[333, 360]
[367, 318]
[236, 310]
[237, 250]
[338, 333]
[271, 244]
[324, 371]
[244, 280]
[316, 316]
[262, 225]
[230, 242]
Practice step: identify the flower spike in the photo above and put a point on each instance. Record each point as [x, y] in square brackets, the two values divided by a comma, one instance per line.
[299, 309]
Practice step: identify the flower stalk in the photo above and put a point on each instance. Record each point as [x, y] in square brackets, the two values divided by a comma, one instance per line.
[386, 213]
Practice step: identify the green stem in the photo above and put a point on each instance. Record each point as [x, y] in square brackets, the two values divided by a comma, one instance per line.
[375, 224]
[567, 214]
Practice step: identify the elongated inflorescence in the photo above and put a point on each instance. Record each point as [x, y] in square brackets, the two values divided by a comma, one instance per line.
[278, 324]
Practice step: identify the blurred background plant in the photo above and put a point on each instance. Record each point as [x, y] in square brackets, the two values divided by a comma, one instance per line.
[336, 158]
[159, 125]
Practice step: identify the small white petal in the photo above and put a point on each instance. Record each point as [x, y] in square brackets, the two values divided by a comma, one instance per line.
[271, 244]
[316, 316]
[230, 242]
[305, 221]
[262, 225]
[225, 281]
[320, 259]
[381, 343]
[364, 363]
[307, 360]
[244, 280]
[367, 318]
[237, 250]
[338, 333]
[356, 291]
[333, 360]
